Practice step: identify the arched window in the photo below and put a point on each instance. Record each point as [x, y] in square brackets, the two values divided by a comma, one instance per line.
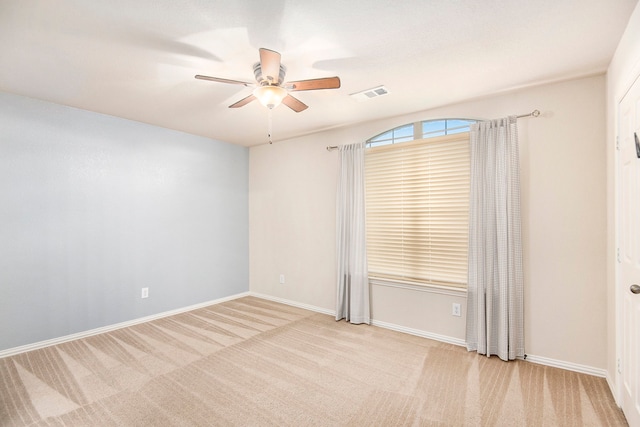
[420, 130]
[417, 199]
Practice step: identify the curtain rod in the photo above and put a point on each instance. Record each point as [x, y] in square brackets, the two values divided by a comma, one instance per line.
[534, 113]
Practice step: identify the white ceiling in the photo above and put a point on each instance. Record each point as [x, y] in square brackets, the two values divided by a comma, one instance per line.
[137, 59]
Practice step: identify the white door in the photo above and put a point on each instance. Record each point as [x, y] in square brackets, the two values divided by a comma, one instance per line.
[628, 282]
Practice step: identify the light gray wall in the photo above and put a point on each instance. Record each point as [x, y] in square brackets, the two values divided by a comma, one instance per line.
[93, 208]
[292, 189]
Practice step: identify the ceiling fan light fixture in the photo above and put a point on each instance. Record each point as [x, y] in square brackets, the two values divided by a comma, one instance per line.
[272, 90]
[270, 96]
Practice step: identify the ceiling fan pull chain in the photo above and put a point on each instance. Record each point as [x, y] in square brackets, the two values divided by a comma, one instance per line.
[270, 126]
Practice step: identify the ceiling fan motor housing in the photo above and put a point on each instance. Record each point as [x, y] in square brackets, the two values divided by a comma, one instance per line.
[263, 80]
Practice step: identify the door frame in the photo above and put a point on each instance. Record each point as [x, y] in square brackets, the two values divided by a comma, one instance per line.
[619, 287]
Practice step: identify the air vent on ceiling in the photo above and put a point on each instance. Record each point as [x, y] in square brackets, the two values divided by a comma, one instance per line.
[370, 93]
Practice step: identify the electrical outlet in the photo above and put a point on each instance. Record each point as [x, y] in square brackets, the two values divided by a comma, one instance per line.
[282, 279]
[145, 293]
[455, 311]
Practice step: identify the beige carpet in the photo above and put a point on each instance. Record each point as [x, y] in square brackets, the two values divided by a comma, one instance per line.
[255, 362]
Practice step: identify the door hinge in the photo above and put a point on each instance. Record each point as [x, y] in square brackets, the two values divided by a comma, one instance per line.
[618, 255]
[618, 142]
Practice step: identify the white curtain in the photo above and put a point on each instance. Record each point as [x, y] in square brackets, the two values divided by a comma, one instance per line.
[353, 282]
[495, 315]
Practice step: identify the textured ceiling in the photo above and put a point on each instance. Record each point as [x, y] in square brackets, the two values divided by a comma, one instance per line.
[137, 59]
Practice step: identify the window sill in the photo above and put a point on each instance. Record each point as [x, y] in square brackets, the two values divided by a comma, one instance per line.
[434, 289]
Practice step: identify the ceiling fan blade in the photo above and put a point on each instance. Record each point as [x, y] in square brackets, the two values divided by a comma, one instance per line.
[270, 65]
[295, 104]
[218, 79]
[314, 84]
[243, 102]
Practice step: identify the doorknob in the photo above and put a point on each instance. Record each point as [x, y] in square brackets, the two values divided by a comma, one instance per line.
[635, 289]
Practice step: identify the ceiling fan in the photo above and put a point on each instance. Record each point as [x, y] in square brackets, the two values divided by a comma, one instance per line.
[271, 90]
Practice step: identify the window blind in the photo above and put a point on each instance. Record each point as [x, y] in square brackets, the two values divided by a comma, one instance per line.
[417, 207]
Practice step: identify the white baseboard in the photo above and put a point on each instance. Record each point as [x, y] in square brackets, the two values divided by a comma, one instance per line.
[583, 369]
[614, 389]
[294, 303]
[42, 344]
[442, 338]
[437, 337]
[418, 332]
[447, 339]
